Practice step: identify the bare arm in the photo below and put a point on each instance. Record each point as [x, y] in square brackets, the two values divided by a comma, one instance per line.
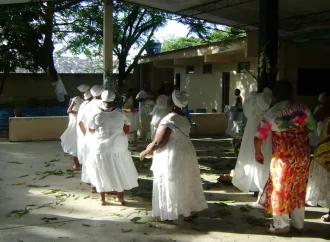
[92, 131]
[161, 139]
[126, 128]
[82, 127]
[257, 147]
[71, 107]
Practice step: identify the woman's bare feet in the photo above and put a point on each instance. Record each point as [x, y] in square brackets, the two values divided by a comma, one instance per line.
[93, 190]
[102, 199]
[121, 198]
[76, 165]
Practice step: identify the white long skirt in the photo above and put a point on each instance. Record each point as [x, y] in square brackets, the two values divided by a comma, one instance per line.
[249, 175]
[318, 192]
[172, 198]
[177, 185]
[69, 137]
[112, 171]
[89, 141]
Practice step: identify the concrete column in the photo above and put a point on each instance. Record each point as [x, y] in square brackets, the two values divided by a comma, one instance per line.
[107, 37]
[268, 36]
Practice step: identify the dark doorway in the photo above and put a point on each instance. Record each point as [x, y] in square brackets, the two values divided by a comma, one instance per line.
[177, 81]
[225, 89]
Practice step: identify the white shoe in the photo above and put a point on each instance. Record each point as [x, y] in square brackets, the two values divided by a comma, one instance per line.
[257, 205]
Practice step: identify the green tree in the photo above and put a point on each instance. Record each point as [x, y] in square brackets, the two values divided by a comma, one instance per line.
[180, 43]
[215, 35]
[134, 27]
[28, 33]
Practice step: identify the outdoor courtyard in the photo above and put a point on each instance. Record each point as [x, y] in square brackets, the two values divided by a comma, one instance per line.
[43, 200]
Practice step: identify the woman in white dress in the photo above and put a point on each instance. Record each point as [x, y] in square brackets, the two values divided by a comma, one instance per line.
[177, 186]
[159, 111]
[89, 111]
[69, 137]
[80, 128]
[111, 168]
[250, 176]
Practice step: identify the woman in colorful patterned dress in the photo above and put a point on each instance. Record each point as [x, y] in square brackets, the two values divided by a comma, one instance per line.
[285, 190]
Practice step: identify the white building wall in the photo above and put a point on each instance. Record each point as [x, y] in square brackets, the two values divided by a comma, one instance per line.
[206, 89]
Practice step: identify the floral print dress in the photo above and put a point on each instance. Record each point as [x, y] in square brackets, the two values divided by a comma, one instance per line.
[285, 189]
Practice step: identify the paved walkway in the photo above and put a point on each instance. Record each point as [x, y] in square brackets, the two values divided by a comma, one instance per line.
[42, 200]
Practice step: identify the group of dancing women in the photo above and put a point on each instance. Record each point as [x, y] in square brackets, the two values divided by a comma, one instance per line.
[277, 164]
[96, 138]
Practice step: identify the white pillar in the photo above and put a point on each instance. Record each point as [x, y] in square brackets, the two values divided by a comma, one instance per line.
[108, 36]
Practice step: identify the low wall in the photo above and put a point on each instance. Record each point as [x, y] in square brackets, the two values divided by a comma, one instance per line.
[37, 128]
[209, 123]
[51, 128]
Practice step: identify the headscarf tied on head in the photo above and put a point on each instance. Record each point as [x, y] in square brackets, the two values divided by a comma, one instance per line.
[321, 96]
[108, 96]
[180, 98]
[87, 95]
[97, 90]
[83, 88]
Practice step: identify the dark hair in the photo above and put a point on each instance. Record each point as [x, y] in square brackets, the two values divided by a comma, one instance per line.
[162, 87]
[238, 91]
[109, 104]
[282, 90]
[171, 102]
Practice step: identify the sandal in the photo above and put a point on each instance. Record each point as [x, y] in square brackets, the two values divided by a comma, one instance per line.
[274, 230]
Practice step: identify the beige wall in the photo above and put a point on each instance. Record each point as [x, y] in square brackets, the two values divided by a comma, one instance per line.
[156, 75]
[205, 90]
[37, 129]
[209, 123]
[38, 86]
[51, 128]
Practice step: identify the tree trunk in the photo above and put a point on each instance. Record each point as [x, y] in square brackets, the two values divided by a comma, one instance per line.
[46, 57]
[122, 71]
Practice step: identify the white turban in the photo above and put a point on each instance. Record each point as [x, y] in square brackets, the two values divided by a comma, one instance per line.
[321, 96]
[108, 96]
[87, 95]
[97, 90]
[180, 98]
[83, 88]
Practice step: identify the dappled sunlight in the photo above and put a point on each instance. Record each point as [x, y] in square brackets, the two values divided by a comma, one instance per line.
[40, 205]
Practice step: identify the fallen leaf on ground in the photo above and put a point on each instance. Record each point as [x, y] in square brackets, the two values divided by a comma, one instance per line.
[48, 219]
[126, 230]
[18, 184]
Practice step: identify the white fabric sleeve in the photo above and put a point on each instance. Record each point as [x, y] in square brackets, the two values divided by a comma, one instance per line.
[142, 95]
[127, 121]
[168, 122]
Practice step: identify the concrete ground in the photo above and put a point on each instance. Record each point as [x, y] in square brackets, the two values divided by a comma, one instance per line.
[43, 200]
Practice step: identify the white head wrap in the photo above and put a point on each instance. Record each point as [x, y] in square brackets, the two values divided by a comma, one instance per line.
[97, 90]
[87, 95]
[180, 98]
[83, 88]
[108, 96]
[321, 96]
